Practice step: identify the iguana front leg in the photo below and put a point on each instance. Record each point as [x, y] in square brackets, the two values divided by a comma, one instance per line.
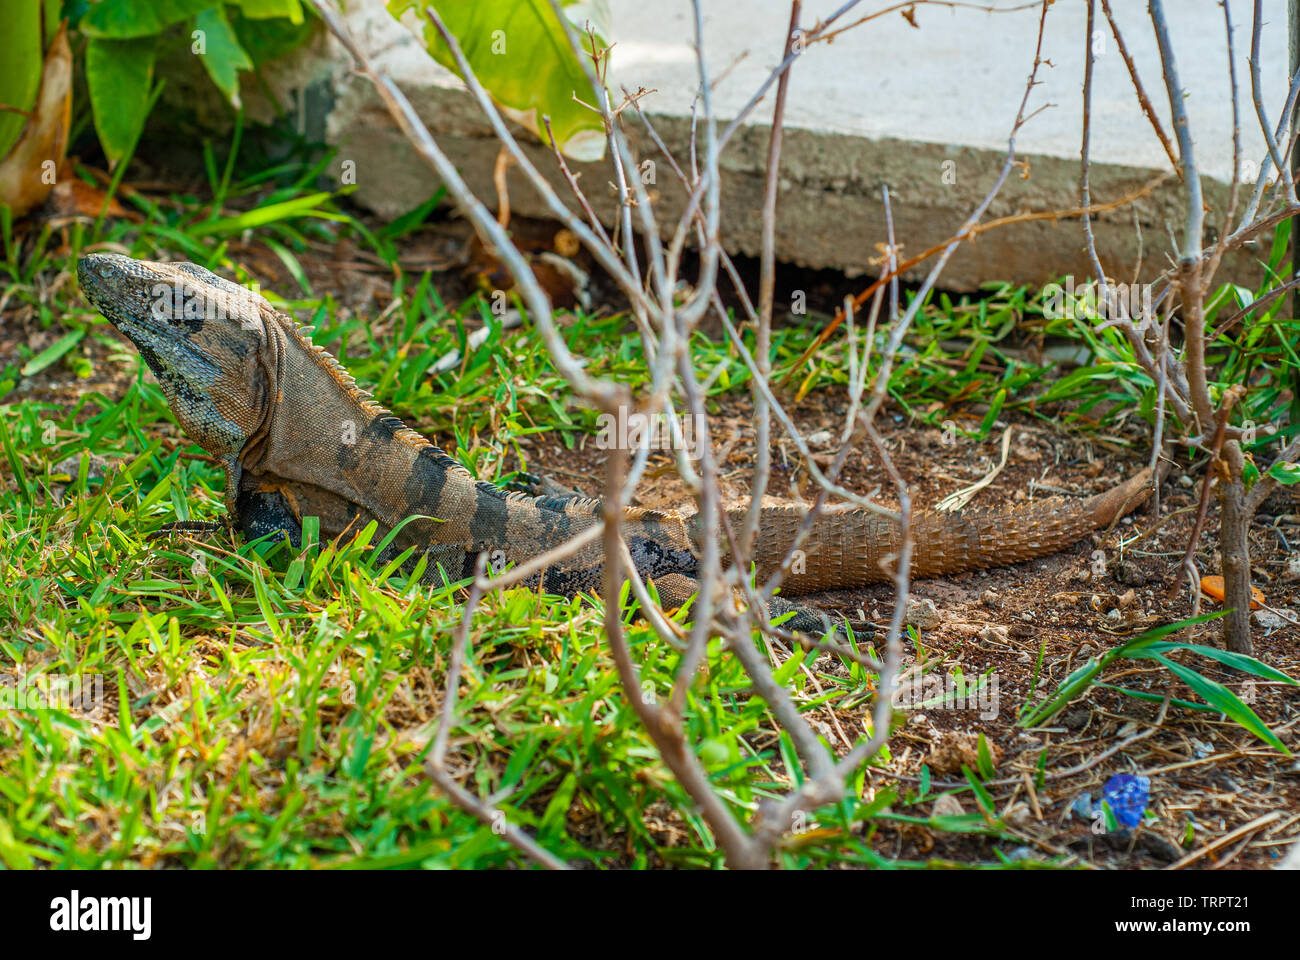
[233, 471]
[544, 486]
[261, 510]
[256, 510]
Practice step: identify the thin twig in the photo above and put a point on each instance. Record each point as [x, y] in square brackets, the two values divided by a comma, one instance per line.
[766, 287]
[1188, 566]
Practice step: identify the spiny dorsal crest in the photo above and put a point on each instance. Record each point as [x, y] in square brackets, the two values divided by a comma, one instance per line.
[301, 334]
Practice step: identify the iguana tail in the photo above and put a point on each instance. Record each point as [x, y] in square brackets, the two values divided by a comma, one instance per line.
[849, 548]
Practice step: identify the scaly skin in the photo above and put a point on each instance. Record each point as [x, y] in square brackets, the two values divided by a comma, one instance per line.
[297, 438]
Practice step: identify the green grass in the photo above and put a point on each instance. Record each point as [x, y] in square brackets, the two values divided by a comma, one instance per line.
[269, 709]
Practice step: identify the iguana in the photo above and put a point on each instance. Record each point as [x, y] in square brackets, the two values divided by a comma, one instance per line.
[298, 438]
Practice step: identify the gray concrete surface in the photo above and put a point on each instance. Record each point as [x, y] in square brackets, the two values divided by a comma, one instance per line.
[884, 104]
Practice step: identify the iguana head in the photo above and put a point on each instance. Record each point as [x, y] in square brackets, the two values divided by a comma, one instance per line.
[207, 340]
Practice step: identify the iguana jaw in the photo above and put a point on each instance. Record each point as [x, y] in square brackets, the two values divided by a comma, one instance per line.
[203, 337]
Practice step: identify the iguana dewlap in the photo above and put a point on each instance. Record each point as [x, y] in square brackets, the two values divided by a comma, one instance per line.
[298, 438]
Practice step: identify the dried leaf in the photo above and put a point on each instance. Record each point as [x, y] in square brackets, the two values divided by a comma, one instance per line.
[28, 172]
[1213, 587]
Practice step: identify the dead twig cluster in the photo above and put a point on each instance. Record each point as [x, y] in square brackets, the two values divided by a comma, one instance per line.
[1181, 372]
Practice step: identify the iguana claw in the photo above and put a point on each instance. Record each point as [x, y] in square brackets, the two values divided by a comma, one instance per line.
[186, 526]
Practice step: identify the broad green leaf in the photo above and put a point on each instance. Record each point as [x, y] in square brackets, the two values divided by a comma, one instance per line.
[265, 40]
[1149, 637]
[15, 462]
[221, 55]
[1082, 677]
[1280, 240]
[356, 763]
[961, 823]
[521, 56]
[53, 16]
[1227, 702]
[119, 73]
[553, 820]
[128, 19]
[1238, 661]
[1287, 473]
[15, 855]
[784, 673]
[1249, 474]
[412, 219]
[790, 757]
[23, 59]
[1108, 816]
[1243, 295]
[291, 10]
[1157, 698]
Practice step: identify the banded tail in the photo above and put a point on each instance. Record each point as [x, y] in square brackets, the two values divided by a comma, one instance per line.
[850, 548]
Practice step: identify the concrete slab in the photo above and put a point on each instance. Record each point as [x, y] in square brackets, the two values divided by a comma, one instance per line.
[925, 110]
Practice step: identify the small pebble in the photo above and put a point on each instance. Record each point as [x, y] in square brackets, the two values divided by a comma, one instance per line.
[1292, 571]
[1268, 620]
[947, 805]
[922, 614]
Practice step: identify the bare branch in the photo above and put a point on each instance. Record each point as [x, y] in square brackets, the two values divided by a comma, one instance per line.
[766, 287]
[1182, 131]
[1143, 99]
[1283, 168]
